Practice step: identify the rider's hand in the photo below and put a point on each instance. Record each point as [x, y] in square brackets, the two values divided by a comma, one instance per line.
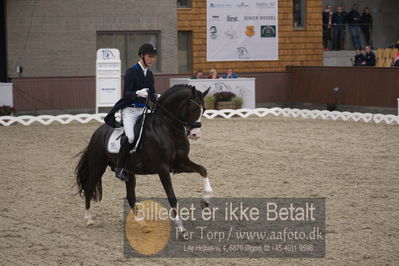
[158, 95]
[142, 93]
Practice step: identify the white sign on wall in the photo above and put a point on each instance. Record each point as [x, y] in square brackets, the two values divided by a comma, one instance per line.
[108, 78]
[6, 95]
[242, 30]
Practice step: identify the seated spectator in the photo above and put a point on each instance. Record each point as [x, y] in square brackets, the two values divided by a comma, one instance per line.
[213, 74]
[198, 75]
[395, 45]
[395, 61]
[230, 74]
[370, 57]
[359, 60]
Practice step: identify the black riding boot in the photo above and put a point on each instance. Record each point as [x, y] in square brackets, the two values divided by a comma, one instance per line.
[120, 171]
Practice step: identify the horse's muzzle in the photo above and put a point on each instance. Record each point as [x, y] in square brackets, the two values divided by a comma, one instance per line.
[194, 133]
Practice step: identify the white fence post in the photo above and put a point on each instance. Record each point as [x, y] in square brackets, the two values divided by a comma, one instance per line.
[398, 106]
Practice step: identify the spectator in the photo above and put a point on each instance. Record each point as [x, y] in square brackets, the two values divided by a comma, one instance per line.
[360, 59]
[213, 74]
[395, 61]
[198, 75]
[353, 20]
[339, 20]
[397, 44]
[230, 74]
[370, 57]
[366, 21]
[327, 24]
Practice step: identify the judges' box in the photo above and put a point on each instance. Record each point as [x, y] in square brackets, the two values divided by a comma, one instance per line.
[241, 87]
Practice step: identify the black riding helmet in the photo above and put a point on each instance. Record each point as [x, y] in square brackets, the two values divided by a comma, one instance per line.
[147, 48]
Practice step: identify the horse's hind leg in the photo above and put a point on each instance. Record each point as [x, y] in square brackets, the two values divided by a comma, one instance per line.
[131, 198]
[90, 169]
[94, 188]
[88, 218]
[164, 175]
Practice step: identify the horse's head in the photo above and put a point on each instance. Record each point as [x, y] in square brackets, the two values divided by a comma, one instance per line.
[188, 105]
[196, 108]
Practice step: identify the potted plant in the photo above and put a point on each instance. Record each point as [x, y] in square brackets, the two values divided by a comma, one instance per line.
[238, 102]
[6, 110]
[210, 102]
[224, 100]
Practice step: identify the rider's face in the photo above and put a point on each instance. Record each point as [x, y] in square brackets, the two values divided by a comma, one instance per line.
[149, 59]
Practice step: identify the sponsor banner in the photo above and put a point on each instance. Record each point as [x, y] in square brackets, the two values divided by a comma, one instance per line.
[227, 228]
[242, 30]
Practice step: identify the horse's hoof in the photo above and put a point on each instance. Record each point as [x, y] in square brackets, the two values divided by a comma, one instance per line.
[89, 223]
[204, 204]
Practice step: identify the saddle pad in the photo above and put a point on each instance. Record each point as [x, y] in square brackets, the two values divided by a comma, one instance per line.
[114, 142]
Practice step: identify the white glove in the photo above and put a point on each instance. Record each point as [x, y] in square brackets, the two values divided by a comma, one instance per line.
[142, 93]
[158, 95]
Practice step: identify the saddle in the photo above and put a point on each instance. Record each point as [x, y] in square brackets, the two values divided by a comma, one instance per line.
[114, 141]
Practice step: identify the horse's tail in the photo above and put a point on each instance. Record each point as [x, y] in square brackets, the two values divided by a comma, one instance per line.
[88, 186]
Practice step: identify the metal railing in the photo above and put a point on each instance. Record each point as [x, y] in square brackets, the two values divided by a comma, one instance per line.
[341, 36]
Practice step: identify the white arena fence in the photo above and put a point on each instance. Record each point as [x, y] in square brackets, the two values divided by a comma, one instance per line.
[27, 120]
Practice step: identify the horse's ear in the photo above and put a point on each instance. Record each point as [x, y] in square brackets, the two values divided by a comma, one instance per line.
[205, 92]
[193, 91]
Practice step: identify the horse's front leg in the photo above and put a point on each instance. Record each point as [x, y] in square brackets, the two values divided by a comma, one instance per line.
[164, 175]
[191, 167]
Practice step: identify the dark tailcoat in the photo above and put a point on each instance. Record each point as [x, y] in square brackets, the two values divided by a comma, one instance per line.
[134, 81]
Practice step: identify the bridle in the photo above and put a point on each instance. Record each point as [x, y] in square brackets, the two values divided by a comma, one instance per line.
[187, 125]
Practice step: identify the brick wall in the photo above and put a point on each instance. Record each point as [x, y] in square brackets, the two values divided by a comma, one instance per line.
[58, 38]
[296, 47]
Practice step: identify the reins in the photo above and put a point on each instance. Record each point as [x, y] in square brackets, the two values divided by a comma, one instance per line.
[187, 125]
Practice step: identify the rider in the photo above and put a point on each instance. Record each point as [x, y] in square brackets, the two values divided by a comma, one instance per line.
[139, 84]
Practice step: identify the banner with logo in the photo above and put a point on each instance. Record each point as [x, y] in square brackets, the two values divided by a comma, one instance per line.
[239, 31]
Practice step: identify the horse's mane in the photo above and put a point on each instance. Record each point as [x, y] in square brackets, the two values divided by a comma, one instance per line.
[172, 90]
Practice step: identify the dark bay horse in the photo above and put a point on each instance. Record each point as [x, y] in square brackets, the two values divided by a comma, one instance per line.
[165, 149]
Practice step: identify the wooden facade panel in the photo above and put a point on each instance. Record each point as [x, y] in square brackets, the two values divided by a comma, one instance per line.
[307, 41]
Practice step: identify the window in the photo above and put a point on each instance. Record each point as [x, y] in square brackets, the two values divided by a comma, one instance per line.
[184, 39]
[128, 44]
[299, 12]
[183, 3]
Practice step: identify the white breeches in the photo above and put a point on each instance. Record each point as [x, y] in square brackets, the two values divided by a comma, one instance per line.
[129, 117]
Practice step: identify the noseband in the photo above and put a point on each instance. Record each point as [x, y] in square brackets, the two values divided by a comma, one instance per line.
[202, 108]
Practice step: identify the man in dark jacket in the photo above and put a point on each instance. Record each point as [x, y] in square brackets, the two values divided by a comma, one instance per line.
[370, 57]
[366, 21]
[339, 21]
[353, 20]
[327, 25]
[139, 84]
[360, 60]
